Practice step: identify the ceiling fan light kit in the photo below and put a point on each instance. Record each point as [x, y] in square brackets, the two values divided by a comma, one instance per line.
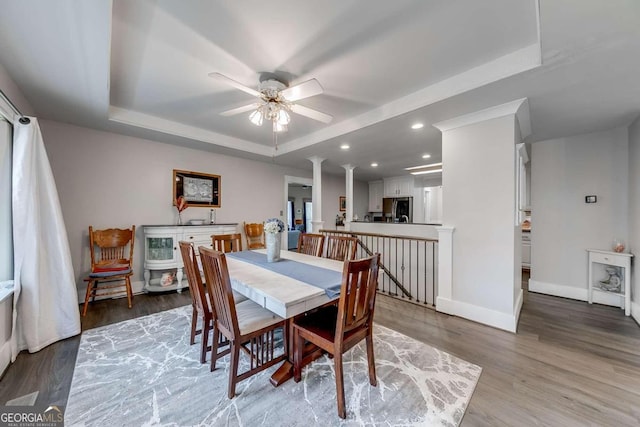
[277, 101]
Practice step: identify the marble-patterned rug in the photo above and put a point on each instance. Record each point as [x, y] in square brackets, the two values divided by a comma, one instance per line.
[143, 372]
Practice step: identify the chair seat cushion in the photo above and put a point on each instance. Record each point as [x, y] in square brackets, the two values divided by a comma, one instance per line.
[321, 322]
[109, 272]
[252, 317]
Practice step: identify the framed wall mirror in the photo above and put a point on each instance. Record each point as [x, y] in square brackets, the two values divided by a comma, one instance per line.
[198, 189]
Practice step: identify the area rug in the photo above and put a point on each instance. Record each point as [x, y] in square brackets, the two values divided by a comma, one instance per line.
[143, 372]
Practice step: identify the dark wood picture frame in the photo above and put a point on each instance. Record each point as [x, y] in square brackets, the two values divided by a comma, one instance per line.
[343, 203]
[199, 189]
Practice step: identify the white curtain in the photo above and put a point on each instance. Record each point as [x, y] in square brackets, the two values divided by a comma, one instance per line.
[45, 296]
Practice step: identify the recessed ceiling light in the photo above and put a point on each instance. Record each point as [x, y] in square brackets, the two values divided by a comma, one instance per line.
[374, 165]
[426, 156]
[417, 126]
[423, 166]
[345, 146]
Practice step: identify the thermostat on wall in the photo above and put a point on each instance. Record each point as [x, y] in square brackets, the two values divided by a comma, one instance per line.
[590, 199]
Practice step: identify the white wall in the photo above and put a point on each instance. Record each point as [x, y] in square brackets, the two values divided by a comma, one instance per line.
[479, 201]
[634, 214]
[109, 180]
[563, 172]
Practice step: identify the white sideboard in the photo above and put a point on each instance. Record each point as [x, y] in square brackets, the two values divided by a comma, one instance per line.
[621, 263]
[161, 250]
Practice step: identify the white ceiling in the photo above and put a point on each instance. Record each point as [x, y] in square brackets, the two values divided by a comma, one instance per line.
[140, 68]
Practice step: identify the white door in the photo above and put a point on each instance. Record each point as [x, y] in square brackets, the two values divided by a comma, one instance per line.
[308, 228]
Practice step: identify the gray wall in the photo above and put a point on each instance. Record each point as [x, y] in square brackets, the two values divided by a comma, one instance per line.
[563, 172]
[634, 213]
[109, 180]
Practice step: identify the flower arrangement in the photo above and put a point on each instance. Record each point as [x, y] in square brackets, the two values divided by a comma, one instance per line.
[181, 204]
[273, 226]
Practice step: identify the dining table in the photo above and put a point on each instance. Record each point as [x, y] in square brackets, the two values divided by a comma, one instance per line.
[291, 287]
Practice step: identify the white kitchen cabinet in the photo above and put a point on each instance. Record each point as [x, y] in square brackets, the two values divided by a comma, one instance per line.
[376, 190]
[162, 252]
[399, 186]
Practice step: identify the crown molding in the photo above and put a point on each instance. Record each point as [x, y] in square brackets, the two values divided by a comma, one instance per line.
[147, 121]
[518, 108]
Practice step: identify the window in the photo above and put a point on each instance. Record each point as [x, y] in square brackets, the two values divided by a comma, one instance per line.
[6, 239]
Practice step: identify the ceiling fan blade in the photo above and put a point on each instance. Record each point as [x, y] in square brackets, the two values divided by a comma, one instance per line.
[235, 84]
[240, 110]
[311, 113]
[302, 90]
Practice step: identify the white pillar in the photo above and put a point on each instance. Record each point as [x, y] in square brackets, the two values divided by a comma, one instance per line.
[316, 194]
[349, 195]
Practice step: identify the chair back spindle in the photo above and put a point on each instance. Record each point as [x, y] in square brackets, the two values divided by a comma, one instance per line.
[310, 244]
[227, 242]
[341, 248]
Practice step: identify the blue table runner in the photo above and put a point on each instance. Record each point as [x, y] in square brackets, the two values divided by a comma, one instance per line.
[319, 277]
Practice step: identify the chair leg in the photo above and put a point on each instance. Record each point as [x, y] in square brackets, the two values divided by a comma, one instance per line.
[91, 290]
[371, 360]
[298, 343]
[214, 346]
[233, 368]
[194, 325]
[206, 327]
[342, 412]
[90, 286]
[129, 291]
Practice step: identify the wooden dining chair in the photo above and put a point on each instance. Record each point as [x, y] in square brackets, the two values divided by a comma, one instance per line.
[255, 235]
[202, 307]
[337, 329]
[341, 248]
[310, 244]
[227, 242]
[111, 263]
[246, 325]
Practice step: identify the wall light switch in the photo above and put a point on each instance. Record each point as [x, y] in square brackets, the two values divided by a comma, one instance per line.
[590, 199]
[281, 211]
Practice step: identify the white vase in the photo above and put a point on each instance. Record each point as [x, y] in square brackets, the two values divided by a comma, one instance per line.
[273, 246]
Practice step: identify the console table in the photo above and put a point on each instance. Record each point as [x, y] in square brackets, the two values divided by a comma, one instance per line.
[613, 259]
[161, 251]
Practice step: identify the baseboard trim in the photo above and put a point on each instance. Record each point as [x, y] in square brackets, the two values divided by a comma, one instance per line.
[574, 292]
[635, 312]
[136, 287]
[496, 319]
[5, 357]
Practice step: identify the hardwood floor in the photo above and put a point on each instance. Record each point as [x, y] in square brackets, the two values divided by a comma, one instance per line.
[569, 364]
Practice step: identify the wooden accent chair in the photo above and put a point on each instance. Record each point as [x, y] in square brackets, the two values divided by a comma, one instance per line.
[255, 235]
[341, 248]
[337, 329]
[227, 242]
[111, 262]
[310, 244]
[246, 325]
[202, 307]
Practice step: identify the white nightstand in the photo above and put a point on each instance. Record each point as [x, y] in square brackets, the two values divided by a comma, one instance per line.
[615, 259]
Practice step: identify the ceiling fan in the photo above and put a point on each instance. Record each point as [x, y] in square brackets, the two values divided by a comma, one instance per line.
[276, 101]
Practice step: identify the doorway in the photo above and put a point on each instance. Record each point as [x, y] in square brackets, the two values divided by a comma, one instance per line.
[297, 194]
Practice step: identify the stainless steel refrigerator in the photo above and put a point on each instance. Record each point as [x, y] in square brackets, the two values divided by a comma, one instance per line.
[398, 209]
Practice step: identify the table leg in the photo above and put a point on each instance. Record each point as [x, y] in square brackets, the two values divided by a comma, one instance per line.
[285, 371]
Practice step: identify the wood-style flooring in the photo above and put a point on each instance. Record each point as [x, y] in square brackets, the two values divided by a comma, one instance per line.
[569, 364]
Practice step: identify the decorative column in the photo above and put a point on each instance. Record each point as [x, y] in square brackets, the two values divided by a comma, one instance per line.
[349, 195]
[316, 195]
